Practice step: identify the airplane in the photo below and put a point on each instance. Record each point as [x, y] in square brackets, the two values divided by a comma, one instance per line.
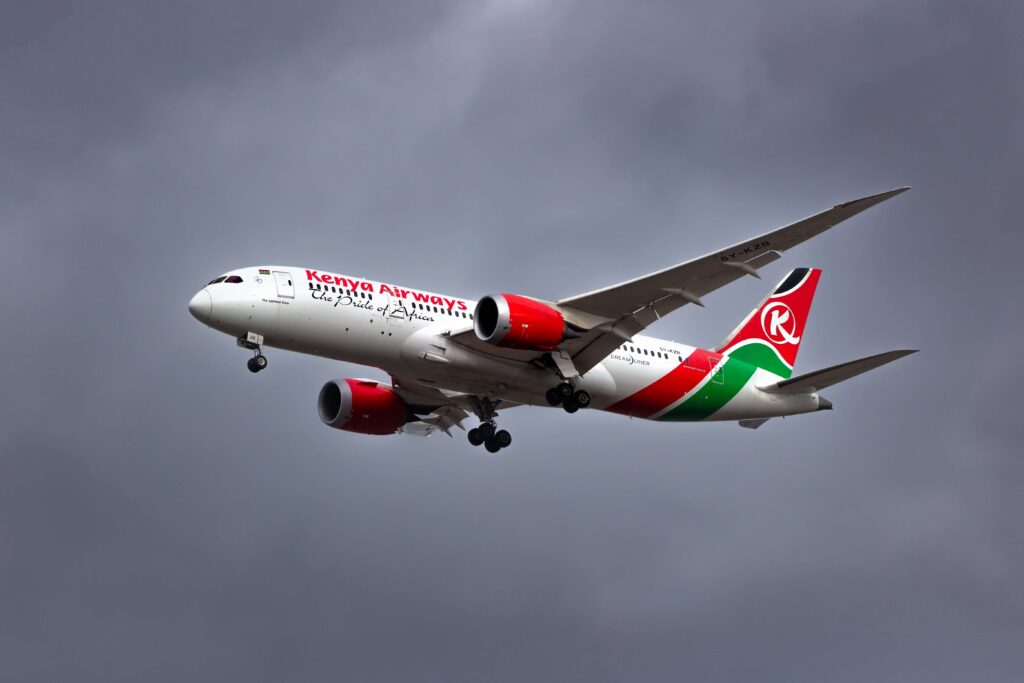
[449, 358]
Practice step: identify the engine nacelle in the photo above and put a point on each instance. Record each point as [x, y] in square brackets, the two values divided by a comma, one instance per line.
[518, 322]
[359, 405]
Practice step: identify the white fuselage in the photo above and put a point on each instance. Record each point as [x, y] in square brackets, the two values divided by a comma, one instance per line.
[406, 333]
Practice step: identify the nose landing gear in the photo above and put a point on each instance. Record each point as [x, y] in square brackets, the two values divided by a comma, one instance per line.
[253, 342]
[257, 362]
[568, 397]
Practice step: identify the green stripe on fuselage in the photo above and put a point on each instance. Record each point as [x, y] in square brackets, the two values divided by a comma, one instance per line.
[719, 390]
[761, 355]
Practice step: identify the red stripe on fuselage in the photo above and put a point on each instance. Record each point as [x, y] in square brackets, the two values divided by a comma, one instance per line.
[668, 389]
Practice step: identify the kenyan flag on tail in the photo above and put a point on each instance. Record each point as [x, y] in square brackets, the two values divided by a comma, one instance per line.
[770, 336]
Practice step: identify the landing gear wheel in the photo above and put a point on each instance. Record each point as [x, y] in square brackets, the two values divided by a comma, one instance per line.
[503, 438]
[492, 445]
[251, 364]
[581, 398]
[564, 390]
[570, 406]
[486, 430]
[260, 360]
[475, 437]
[553, 396]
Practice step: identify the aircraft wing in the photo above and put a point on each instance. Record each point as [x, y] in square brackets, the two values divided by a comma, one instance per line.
[629, 307]
[615, 314]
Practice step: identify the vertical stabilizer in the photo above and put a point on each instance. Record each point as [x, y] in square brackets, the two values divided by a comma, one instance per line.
[770, 336]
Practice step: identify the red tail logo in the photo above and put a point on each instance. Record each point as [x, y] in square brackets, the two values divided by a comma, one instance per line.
[780, 319]
[779, 323]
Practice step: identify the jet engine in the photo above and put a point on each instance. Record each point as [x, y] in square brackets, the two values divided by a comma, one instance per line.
[518, 322]
[360, 405]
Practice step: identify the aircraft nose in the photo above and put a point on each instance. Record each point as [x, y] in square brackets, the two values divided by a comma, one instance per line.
[201, 306]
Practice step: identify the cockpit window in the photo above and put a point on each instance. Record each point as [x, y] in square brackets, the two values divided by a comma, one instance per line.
[216, 280]
[233, 279]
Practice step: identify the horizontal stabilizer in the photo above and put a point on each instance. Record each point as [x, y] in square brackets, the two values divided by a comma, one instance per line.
[820, 379]
[753, 424]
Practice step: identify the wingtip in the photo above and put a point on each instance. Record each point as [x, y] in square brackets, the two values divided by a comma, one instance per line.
[873, 199]
[899, 353]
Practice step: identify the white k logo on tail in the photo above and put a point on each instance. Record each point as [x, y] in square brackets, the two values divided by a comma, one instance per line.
[779, 323]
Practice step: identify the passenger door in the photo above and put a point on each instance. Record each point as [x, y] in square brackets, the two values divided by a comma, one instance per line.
[285, 288]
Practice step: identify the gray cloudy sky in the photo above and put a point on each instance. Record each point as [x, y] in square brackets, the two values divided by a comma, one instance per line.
[166, 516]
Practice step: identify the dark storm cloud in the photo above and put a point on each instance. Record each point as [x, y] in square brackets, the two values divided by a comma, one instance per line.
[165, 515]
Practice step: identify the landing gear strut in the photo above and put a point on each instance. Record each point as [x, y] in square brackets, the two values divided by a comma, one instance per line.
[488, 434]
[253, 342]
[568, 397]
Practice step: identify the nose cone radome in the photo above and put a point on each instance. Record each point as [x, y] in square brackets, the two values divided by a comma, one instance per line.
[201, 306]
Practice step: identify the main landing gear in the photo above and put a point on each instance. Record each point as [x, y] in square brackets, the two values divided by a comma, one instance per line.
[253, 342]
[570, 398]
[488, 434]
[492, 438]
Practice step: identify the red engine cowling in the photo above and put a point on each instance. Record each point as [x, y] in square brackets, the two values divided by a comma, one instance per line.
[518, 322]
[359, 405]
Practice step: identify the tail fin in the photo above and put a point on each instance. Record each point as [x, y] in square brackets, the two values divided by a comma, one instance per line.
[770, 336]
